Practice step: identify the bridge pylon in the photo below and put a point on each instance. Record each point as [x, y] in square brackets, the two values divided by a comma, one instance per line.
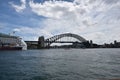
[41, 43]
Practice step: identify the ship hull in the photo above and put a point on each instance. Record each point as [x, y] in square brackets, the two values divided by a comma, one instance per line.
[10, 48]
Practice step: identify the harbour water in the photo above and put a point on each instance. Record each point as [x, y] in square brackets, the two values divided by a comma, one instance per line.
[60, 64]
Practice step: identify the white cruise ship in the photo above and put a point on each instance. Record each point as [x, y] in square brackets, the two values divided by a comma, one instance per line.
[8, 42]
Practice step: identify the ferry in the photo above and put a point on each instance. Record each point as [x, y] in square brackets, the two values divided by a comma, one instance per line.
[9, 42]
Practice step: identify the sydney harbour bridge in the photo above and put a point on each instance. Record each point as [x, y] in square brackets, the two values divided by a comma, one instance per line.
[68, 40]
[75, 40]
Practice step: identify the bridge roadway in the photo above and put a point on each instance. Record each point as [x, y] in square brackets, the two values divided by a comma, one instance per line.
[36, 42]
[63, 42]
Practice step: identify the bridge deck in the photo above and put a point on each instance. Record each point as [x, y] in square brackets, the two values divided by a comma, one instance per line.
[63, 42]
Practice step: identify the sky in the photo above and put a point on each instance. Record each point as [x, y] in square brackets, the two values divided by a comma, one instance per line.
[97, 20]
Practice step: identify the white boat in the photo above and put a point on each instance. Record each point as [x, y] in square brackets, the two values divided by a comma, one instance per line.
[8, 42]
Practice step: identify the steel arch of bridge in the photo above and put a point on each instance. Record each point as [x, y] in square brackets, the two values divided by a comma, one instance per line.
[56, 37]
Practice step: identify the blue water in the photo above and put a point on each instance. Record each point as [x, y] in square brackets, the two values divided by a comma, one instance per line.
[60, 64]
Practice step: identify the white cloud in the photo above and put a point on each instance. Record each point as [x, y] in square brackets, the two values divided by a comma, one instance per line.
[90, 18]
[23, 30]
[2, 26]
[36, 31]
[55, 9]
[96, 20]
[111, 1]
[19, 8]
[16, 30]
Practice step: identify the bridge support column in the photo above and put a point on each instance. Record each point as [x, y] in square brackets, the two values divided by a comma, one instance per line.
[41, 43]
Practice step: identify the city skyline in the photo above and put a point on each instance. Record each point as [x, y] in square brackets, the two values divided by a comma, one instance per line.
[96, 20]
